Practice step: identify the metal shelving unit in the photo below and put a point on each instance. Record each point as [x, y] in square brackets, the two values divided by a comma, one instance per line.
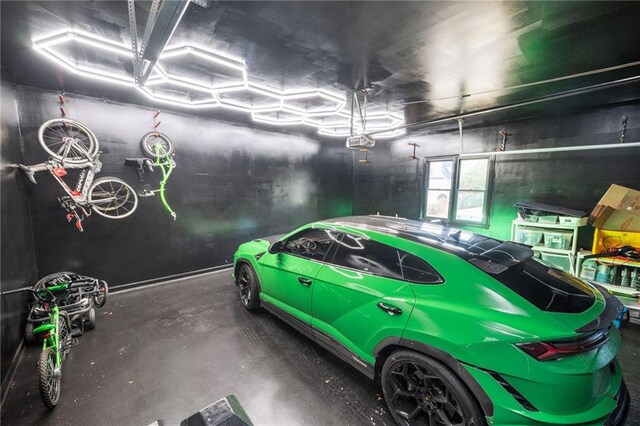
[569, 253]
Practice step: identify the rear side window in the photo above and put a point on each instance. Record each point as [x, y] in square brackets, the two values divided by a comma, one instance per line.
[368, 256]
[546, 287]
[310, 243]
[417, 270]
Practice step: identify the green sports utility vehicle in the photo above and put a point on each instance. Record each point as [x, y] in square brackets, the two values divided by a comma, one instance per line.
[460, 329]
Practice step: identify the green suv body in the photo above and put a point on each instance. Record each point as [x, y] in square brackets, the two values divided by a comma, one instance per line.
[459, 328]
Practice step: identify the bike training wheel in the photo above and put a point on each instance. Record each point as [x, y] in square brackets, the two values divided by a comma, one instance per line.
[151, 139]
[29, 337]
[112, 198]
[100, 300]
[90, 319]
[49, 382]
[56, 134]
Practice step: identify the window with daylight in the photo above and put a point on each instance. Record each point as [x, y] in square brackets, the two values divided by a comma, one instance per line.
[457, 189]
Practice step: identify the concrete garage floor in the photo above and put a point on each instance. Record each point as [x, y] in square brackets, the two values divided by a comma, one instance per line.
[168, 351]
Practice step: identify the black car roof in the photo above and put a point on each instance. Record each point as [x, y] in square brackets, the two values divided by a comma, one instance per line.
[456, 241]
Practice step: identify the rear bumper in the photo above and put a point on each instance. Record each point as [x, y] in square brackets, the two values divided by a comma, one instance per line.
[611, 410]
[619, 415]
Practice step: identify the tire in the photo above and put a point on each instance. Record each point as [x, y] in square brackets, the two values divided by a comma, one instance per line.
[248, 288]
[149, 142]
[53, 134]
[101, 300]
[49, 384]
[64, 334]
[29, 337]
[90, 320]
[112, 198]
[419, 390]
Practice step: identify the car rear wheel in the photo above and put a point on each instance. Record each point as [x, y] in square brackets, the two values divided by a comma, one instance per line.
[421, 391]
[248, 288]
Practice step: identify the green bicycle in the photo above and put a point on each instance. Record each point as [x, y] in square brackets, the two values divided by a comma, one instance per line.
[159, 147]
[55, 347]
[57, 341]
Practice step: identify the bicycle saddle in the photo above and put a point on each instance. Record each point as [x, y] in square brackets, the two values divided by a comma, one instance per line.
[28, 172]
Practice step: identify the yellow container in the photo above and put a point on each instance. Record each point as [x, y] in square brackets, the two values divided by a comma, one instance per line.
[604, 240]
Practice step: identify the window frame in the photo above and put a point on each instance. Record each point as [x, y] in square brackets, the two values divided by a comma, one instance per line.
[330, 250]
[329, 260]
[455, 189]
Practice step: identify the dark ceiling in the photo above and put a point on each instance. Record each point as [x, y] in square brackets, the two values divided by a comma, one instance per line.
[427, 59]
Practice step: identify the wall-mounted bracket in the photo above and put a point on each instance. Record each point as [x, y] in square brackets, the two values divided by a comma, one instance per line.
[364, 160]
[503, 140]
[624, 128]
[413, 155]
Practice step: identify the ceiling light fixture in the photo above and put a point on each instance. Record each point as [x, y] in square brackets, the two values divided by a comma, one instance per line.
[318, 108]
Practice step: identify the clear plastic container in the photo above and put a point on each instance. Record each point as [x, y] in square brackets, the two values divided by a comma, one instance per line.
[589, 269]
[558, 239]
[529, 236]
[559, 261]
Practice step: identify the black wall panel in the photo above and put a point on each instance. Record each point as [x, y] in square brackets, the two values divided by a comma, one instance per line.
[392, 183]
[18, 262]
[232, 183]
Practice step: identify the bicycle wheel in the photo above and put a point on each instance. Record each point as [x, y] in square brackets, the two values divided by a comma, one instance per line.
[48, 379]
[100, 299]
[64, 335]
[68, 140]
[112, 198]
[151, 139]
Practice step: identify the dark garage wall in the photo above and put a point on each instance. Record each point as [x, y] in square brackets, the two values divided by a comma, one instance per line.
[232, 183]
[392, 183]
[18, 263]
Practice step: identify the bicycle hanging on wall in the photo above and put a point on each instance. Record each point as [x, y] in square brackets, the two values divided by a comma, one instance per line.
[158, 147]
[71, 145]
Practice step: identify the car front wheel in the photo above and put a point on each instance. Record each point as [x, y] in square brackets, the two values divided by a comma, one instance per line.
[248, 287]
[422, 391]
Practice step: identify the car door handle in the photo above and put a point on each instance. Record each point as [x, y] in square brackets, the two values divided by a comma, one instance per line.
[304, 281]
[391, 310]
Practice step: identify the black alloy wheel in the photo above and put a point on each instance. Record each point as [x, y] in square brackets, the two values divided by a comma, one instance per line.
[421, 391]
[248, 288]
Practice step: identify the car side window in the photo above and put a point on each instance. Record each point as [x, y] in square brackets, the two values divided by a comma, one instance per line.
[362, 254]
[417, 270]
[312, 243]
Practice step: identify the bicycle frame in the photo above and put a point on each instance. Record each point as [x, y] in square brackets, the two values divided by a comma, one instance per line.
[53, 341]
[58, 171]
[166, 165]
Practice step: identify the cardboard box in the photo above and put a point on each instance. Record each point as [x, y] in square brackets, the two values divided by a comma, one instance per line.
[617, 210]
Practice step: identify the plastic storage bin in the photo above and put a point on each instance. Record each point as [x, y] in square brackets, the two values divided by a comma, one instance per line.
[548, 219]
[559, 261]
[589, 270]
[558, 239]
[529, 236]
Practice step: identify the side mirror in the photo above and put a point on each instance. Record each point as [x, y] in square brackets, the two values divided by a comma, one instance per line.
[276, 247]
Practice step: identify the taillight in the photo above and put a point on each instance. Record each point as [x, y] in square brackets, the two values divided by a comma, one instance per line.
[545, 351]
[46, 336]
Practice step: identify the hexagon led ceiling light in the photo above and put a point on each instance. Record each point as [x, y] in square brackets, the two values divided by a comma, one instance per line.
[196, 77]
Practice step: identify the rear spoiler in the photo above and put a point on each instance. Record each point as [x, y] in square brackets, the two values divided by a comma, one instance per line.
[612, 309]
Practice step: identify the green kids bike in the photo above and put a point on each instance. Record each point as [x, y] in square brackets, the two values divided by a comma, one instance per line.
[57, 342]
[63, 307]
